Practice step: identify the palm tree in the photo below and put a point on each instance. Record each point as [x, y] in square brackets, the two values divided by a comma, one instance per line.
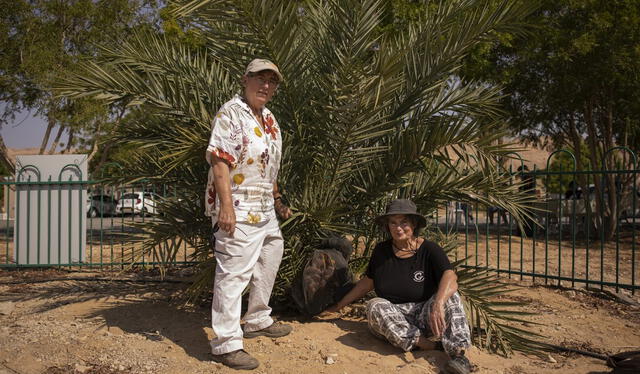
[366, 118]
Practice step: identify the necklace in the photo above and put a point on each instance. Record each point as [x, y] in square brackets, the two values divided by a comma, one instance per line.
[413, 248]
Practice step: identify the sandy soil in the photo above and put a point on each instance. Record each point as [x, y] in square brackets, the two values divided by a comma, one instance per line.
[73, 326]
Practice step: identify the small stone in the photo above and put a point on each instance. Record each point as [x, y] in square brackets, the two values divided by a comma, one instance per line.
[551, 359]
[329, 358]
[121, 367]
[82, 368]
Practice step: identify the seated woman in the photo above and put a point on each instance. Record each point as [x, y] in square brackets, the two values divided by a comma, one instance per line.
[416, 288]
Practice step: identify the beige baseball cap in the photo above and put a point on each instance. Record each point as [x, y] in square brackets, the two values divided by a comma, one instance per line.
[260, 64]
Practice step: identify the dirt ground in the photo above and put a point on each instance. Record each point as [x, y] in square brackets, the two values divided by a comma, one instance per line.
[105, 327]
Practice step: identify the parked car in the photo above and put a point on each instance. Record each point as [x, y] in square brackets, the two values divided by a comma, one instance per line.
[142, 203]
[101, 206]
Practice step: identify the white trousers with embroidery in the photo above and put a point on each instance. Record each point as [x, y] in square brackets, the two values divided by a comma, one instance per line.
[250, 257]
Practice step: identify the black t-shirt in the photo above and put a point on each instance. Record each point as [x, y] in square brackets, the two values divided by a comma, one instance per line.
[412, 279]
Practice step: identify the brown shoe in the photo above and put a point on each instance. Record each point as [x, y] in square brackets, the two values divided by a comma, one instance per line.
[276, 330]
[239, 359]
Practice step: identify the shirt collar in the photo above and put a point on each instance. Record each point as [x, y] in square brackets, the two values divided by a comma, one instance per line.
[240, 101]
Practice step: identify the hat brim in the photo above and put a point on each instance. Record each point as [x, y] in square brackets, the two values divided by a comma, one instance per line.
[276, 72]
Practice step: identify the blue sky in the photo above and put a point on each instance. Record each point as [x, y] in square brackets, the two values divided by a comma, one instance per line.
[25, 131]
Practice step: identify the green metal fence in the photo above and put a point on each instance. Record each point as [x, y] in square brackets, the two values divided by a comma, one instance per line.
[584, 229]
[70, 222]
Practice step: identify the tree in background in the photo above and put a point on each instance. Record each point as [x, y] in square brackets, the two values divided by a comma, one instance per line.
[367, 116]
[564, 162]
[574, 81]
[42, 41]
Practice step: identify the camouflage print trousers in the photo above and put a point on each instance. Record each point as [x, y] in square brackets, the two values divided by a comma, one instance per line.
[403, 324]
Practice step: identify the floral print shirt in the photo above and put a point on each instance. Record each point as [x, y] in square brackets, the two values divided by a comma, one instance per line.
[253, 154]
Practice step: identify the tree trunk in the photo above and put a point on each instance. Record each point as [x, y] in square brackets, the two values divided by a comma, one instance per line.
[54, 145]
[69, 141]
[592, 142]
[605, 217]
[612, 180]
[51, 122]
[94, 146]
[4, 158]
[108, 145]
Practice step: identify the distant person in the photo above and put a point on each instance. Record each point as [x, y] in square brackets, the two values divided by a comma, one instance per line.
[573, 191]
[416, 288]
[466, 209]
[528, 186]
[242, 199]
[501, 214]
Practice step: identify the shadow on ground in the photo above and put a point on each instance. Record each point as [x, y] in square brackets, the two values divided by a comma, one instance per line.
[358, 336]
[148, 309]
[157, 320]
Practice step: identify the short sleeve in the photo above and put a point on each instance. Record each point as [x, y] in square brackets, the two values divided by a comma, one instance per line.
[226, 139]
[370, 269]
[438, 261]
[374, 262]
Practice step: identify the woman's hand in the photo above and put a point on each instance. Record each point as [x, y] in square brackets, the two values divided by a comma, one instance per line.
[332, 309]
[282, 210]
[448, 286]
[364, 285]
[222, 182]
[227, 219]
[436, 319]
[332, 312]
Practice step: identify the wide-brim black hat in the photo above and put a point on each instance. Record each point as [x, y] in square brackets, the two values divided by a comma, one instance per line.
[405, 207]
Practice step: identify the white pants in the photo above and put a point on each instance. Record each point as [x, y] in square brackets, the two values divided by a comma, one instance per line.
[251, 257]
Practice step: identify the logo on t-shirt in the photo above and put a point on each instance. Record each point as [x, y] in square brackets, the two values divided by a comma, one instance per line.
[418, 276]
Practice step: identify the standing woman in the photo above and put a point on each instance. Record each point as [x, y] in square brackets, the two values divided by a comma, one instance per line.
[416, 288]
[242, 199]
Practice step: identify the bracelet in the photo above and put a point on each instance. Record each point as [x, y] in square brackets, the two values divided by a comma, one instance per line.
[277, 198]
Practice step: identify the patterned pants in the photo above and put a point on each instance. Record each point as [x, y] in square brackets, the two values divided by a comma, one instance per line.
[402, 324]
